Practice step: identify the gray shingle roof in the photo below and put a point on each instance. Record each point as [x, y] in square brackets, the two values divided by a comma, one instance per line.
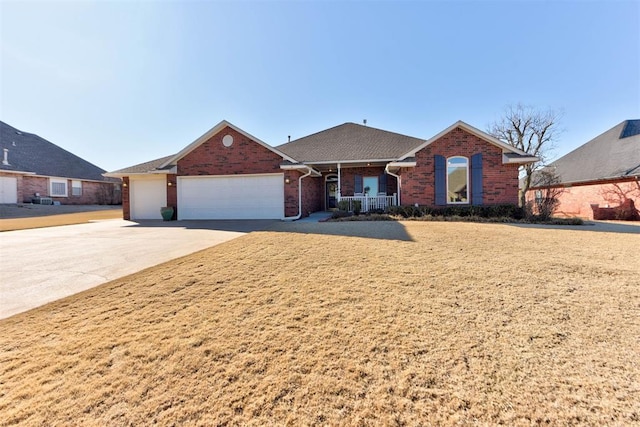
[350, 141]
[614, 154]
[28, 152]
[145, 167]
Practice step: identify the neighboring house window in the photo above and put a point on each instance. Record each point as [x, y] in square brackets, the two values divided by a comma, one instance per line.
[538, 196]
[457, 180]
[58, 187]
[76, 188]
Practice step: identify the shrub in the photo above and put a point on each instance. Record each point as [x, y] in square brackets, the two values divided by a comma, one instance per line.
[491, 211]
[357, 207]
[343, 205]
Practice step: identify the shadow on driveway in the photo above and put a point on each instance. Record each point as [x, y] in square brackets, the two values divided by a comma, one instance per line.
[240, 226]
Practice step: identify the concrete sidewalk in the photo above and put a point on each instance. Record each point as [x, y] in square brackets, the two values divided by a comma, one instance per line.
[42, 265]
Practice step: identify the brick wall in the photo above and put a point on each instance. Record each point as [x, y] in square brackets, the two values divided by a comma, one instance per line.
[580, 200]
[126, 204]
[93, 193]
[244, 156]
[172, 194]
[311, 194]
[499, 181]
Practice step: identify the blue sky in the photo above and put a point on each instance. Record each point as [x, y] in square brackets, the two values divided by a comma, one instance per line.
[123, 82]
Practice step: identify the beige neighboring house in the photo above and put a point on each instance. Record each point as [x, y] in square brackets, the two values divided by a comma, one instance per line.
[34, 170]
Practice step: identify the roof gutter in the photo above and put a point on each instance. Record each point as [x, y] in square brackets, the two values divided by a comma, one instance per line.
[310, 171]
[398, 177]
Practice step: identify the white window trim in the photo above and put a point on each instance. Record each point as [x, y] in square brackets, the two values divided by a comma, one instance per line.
[58, 181]
[447, 173]
[76, 184]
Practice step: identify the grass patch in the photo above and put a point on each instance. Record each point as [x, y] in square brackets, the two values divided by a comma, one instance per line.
[430, 323]
[10, 224]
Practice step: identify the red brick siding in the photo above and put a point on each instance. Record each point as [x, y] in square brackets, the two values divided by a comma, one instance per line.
[291, 193]
[32, 185]
[126, 205]
[576, 201]
[312, 195]
[499, 181]
[245, 156]
[93, 193]
[172, 194]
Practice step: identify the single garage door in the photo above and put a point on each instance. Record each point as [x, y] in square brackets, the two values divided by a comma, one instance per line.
[8, 189]
[231, 197]
[147, 195]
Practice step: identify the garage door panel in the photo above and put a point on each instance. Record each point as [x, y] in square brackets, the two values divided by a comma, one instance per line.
[147, 196]
[236, 197]
[8, 189]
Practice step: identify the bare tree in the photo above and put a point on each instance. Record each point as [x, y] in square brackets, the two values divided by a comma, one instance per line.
[547, 198]
[531, 130]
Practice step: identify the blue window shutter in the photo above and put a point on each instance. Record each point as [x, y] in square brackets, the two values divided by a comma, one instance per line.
[476, 179]
[382, 184]
[441, 180]
[358, 184]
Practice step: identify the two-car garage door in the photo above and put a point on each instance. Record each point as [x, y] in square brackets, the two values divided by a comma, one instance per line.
[231, 197]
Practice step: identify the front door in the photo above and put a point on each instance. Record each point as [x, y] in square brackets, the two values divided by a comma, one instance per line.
[332, 194]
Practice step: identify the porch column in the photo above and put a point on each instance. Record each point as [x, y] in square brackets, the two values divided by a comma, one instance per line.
[339, 180]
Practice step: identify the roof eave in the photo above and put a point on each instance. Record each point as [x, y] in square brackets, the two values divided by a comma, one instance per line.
[301, 167]
[519, 160]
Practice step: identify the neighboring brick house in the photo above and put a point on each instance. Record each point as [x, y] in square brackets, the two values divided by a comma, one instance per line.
[600, 179]
[230, 174]
[34, 169]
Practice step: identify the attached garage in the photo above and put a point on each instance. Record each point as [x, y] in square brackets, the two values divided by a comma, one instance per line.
[147, 195]
[8, 189]
[231, 197]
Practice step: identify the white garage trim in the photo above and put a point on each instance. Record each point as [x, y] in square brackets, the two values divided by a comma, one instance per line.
[256, 196]
[8, 189]
[147, 194]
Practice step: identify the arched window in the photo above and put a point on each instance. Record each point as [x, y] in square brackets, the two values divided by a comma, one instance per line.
[457, 180]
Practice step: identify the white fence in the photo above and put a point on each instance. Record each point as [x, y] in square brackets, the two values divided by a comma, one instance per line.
[369, 203]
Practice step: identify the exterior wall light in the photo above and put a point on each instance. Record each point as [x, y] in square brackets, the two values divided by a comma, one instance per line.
[169, 183]
[287, 180]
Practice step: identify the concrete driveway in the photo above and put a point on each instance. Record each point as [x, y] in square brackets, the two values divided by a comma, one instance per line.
[42, 265]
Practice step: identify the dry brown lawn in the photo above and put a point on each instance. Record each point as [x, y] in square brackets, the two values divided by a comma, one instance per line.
[9, 224]
[309, 324]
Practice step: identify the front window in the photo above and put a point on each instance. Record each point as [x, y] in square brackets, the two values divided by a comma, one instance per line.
[370, 184]
[76, 188]
[58, 187]
[457, 180]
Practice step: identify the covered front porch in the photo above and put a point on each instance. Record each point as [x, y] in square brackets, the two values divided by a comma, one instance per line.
[345, 185]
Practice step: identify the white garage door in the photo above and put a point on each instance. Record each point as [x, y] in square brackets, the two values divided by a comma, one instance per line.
[147, 196]
[8, 189]
[231, 197]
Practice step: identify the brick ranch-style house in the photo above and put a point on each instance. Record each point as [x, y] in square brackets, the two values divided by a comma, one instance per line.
[601, 179]
[33, 169]
[229, 174]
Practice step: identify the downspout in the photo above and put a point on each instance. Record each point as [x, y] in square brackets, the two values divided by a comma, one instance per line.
[339, 181]
[294, 218]
[398, 179]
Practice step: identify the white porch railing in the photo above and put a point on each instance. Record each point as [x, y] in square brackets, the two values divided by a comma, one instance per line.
[369, 203]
